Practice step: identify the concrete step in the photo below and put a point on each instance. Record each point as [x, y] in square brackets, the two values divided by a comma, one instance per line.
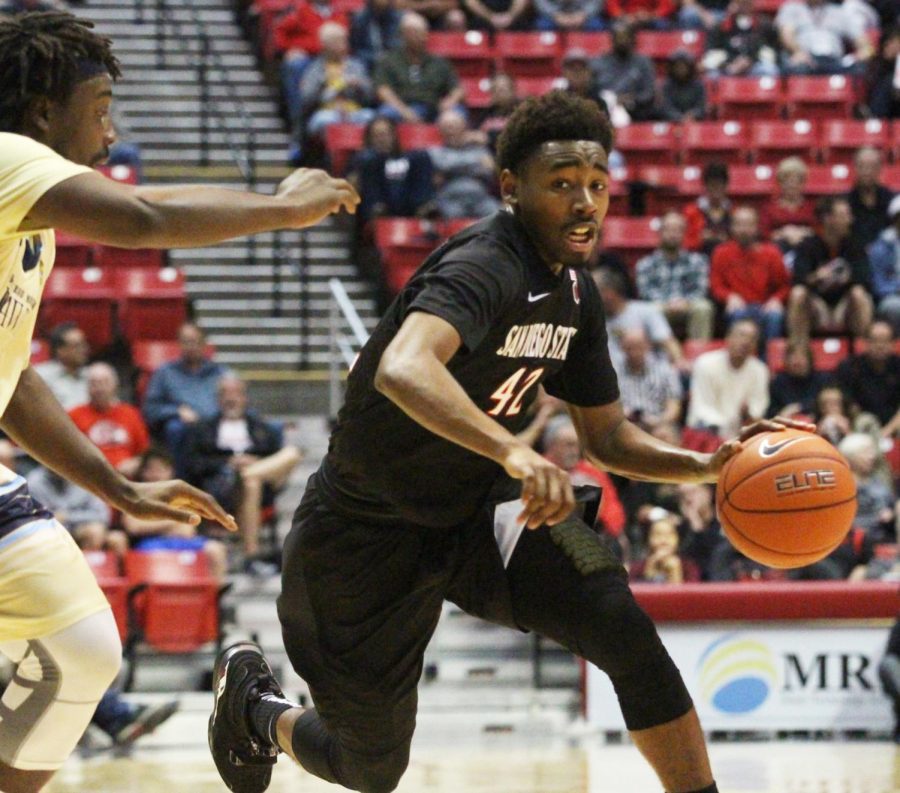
[146, 59]
[260, 306]
[215, 157]
[175, 75]
[128, 12]
[193, 138]
[143, 124]
[248, 290]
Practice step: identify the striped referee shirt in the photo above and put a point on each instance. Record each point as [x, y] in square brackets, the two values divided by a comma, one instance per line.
[647, 391]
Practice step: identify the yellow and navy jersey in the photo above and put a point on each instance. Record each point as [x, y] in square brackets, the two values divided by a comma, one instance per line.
[28, 169]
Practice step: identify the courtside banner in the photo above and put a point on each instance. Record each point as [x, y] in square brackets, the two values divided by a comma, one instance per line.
[763, 677]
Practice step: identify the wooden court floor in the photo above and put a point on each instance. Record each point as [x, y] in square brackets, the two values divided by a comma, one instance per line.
[504, 765]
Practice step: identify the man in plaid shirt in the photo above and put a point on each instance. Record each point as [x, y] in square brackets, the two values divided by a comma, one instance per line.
[677, 280]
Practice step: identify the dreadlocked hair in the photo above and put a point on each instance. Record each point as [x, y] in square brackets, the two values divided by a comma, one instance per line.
[557, 115]
[40, 55]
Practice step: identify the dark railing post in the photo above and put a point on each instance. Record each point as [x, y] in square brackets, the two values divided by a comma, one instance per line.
[161, 12]
[203, 79]
[251, 186]
[277, 262]
[303, 300]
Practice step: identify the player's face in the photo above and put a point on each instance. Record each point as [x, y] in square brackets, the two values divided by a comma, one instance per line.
[561, 196]
[81, 129]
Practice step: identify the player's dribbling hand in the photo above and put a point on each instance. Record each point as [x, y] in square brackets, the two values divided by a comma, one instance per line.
[173, 500]
[730, 448]
[546, 489]
[316, 194]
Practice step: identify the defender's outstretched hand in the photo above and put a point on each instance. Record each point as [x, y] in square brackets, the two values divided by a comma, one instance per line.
[546, 489]
[174, 500]
[730, 448]
[318, 195]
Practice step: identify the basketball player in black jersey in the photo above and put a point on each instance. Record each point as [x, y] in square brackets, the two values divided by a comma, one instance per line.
[426, 494]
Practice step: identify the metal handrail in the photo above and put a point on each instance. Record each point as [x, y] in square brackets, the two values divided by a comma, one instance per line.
[340, 345]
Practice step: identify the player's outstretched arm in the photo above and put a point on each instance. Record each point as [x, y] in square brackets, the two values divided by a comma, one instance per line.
[98, 209]
[38, 423]
[413, 374]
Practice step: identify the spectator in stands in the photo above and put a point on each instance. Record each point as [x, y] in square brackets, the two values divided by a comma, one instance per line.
[869, 199]
[182, 392]
[64, 373]
[729, 387]
[654, 14]
[578, 76]
[624, 314]
[412, 84]
[663, 563]
[440, 14]
[789, 218]
[85, 515]
[875, 497]
[871, 379]
[836, 416]
[566, 15]
[708, 218]
[700, 529]
[748, 277]
[889, 674]
[882, 83]
[813, 34]
[114, 427]
[831, 278]
[335, 87]
[793, 391]
[125, 151]
[743, 45]
[498, 14]
[884, 261]
[374, 30]
[702, 14]
[391, 182]
[627, 74]
[464, 171]
[649, 386]
[677, 280]
[297, 39]
[682, 93]
[239, 457]
[504, 99]
[22, 6]
[157, 465]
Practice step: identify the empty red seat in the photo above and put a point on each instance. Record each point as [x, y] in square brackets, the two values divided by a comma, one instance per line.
[749, 97]
[694, 348]
[619, 184]
[470, 51]
[108, 572]
[828, 180]
[404, 243]
[831, 96]
[707, 141]
[772, 141]
[477, 92]
[660, 44]
[119, 173]
[348, 7]
[418, 136]
[110, 257]
[890, 176]
[73, 251]
[671, 186]
[631, 238]
[341, 141]
[528, 53]
[153, 302]
[537, 86]
[840, 138]
[826, 353]
[83, 296]
[594, 43]
[751, 184]
[651, 143]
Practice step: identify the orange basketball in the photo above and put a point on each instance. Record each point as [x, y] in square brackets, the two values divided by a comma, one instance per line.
[787, 499]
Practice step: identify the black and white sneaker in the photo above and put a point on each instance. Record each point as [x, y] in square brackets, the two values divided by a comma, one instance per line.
[244, 759]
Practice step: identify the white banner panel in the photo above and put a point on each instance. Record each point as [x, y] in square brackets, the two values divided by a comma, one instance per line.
[769, 677]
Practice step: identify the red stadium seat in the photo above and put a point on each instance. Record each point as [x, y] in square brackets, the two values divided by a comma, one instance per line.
[529, 53]
[418, 136]
[654, 143]
[890, 176]
[153, 303]
[751, 184]
[40, 351]
[840, 138]
[537, 86]
[827, 353]
[108, 257]
[73, 251]
[749, 97]
[820, 97]
[119, 173]
[619, 180]
[658, 45]
[707, 141]
[594, 43]
[348, 7]
[470, 51]
[83, 296]
[108, 572]
[341, 141]
[404, 243]
[631, 238]
[828, 180]
[477, 92]
[694, 348]
[768, 7]
[671, 186]
[772, 141]
[174, 604]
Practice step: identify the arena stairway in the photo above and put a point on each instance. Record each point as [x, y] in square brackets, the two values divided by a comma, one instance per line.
[253, 312]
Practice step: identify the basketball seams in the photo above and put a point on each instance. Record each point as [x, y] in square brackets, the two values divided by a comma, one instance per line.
[792, 509]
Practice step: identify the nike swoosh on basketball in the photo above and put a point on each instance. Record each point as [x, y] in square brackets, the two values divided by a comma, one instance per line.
[533, 298]
[767, 449]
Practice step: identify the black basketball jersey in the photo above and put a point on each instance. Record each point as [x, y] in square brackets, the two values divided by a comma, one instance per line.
[520, 325]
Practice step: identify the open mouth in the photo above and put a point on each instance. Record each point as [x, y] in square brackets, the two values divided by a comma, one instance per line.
[581, 238]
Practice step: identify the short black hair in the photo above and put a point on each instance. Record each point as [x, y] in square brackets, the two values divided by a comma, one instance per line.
[825, 205]
[58, 335]
[558, 115]
[715, 172]
[41, 56]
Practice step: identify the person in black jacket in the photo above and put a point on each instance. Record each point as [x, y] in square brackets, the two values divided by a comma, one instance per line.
[241, 457]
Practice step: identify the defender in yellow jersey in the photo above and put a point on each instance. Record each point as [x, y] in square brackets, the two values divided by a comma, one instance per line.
[56, 80]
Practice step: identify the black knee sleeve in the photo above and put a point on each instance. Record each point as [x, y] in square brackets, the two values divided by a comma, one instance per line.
[312, 745]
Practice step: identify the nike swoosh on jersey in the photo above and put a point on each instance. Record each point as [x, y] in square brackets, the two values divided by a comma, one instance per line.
[534, 298]
[767, 449]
